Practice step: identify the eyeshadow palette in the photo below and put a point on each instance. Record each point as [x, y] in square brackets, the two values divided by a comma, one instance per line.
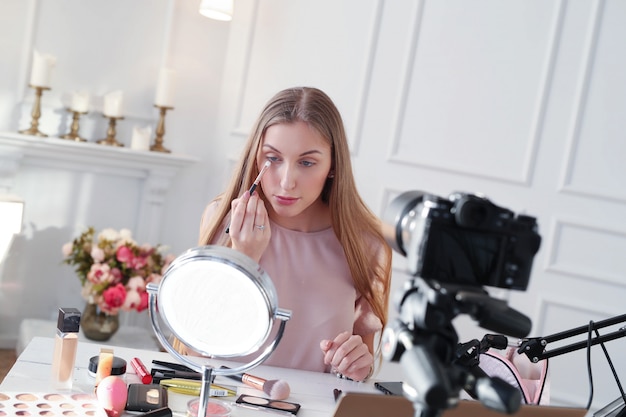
[49, 404]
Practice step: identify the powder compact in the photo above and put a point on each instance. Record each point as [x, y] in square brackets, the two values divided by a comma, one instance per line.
[253, 402]
[118, 368]
[146, 397]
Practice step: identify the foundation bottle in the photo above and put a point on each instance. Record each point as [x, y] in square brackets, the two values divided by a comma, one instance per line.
[65, 344]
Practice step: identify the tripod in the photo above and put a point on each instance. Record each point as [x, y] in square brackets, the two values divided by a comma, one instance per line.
[425, 343]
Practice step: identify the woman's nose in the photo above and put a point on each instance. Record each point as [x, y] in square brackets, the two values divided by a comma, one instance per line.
[287, 178]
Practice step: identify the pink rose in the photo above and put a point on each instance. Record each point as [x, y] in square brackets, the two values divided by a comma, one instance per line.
[67, 249]
[114, 296]
[132, 301]
[144, 301]
[136, 283]
[97, 254]
[99, 273]
[138, 262]
[124, 254]
[116, 275]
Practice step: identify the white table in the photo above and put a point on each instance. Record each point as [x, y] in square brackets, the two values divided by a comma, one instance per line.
[312, 390]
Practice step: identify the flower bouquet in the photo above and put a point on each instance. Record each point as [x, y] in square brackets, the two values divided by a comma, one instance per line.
[114, 270]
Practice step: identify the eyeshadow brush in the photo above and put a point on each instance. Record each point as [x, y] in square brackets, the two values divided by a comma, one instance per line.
[255, 184]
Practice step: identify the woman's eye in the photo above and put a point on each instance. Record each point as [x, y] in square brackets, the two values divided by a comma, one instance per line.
[272, 158]
[308, 163]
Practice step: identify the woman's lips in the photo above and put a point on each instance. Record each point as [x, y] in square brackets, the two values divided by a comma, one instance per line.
[286, 201]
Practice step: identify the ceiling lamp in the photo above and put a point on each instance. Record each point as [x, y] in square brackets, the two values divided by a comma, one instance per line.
[217, 9]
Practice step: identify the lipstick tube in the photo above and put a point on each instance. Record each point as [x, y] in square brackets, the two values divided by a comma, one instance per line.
[141, 370]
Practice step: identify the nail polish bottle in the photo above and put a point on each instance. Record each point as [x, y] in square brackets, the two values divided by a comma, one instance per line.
[65, 344]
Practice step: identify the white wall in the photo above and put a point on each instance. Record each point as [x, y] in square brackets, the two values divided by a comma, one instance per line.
[100, 47]
[521, 100]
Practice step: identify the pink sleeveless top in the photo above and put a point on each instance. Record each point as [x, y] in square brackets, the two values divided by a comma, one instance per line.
[313, 280]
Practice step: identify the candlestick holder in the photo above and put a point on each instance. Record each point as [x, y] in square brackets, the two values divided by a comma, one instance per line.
[160, 130]
[73, 135]
[35, 113]
[110, 139]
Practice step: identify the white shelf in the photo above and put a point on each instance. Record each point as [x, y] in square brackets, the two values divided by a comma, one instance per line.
[86, 156]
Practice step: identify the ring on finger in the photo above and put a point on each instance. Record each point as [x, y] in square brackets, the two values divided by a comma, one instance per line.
[260, 226]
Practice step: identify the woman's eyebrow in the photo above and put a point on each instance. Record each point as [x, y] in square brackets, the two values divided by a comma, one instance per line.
[302, 154]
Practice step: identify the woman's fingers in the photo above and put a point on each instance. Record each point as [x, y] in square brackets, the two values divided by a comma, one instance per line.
[348, 355]
[249, 227]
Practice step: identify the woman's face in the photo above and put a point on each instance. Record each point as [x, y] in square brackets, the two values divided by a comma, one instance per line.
[301, 160]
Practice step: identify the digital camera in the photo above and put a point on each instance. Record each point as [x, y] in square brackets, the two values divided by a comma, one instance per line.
[464, 240]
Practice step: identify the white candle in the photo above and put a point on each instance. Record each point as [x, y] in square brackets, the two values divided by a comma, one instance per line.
[113, 104]
[80, 102]
[165, 88]
[42, 69]
[141, 138]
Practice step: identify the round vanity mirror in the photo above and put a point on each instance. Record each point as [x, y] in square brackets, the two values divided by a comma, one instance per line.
[219, 303]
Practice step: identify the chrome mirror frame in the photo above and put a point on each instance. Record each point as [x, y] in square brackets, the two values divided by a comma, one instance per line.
[239, 264]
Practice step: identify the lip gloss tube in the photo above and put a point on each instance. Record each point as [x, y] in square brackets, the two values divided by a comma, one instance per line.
[140, 369]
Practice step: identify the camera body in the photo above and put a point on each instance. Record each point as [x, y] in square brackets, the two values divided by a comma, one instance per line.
[463, 240]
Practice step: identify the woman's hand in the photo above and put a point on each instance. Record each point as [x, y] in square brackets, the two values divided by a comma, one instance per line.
[249, 227]
[348, 355]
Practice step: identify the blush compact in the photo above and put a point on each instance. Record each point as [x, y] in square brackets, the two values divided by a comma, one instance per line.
[215, 408]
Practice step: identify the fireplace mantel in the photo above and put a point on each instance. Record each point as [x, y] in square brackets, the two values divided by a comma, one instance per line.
[155, 169]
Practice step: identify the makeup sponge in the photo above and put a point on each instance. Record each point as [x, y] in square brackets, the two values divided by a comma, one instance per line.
[112, 394]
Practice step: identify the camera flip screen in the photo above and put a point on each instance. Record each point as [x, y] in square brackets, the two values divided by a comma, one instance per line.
[462, 257]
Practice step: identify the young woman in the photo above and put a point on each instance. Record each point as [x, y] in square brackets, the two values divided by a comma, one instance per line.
[308, 228]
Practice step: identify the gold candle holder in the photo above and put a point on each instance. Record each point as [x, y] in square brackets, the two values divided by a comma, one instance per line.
[35, 113]
[110, 139]
[73, 135]
[160, 130]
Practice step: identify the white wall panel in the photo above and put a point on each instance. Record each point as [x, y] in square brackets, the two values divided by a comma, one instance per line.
[595, 261]
[597, 150]
[478, 116]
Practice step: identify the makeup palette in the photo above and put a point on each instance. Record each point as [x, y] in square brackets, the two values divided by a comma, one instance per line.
[251, 401]
[49, 404]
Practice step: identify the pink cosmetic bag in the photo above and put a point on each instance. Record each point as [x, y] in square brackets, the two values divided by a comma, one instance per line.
[516, 369]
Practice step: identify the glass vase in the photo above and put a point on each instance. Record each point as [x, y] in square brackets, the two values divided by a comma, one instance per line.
[98, 325]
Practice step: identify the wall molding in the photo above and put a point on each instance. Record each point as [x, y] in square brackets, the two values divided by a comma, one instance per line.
[538, 114]
[553, 264]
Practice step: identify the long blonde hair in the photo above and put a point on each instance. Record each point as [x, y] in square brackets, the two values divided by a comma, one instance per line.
[356, 227]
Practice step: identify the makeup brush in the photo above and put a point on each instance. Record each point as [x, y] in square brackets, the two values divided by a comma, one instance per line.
[276, 389]
[255, 184]
[258, 177]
